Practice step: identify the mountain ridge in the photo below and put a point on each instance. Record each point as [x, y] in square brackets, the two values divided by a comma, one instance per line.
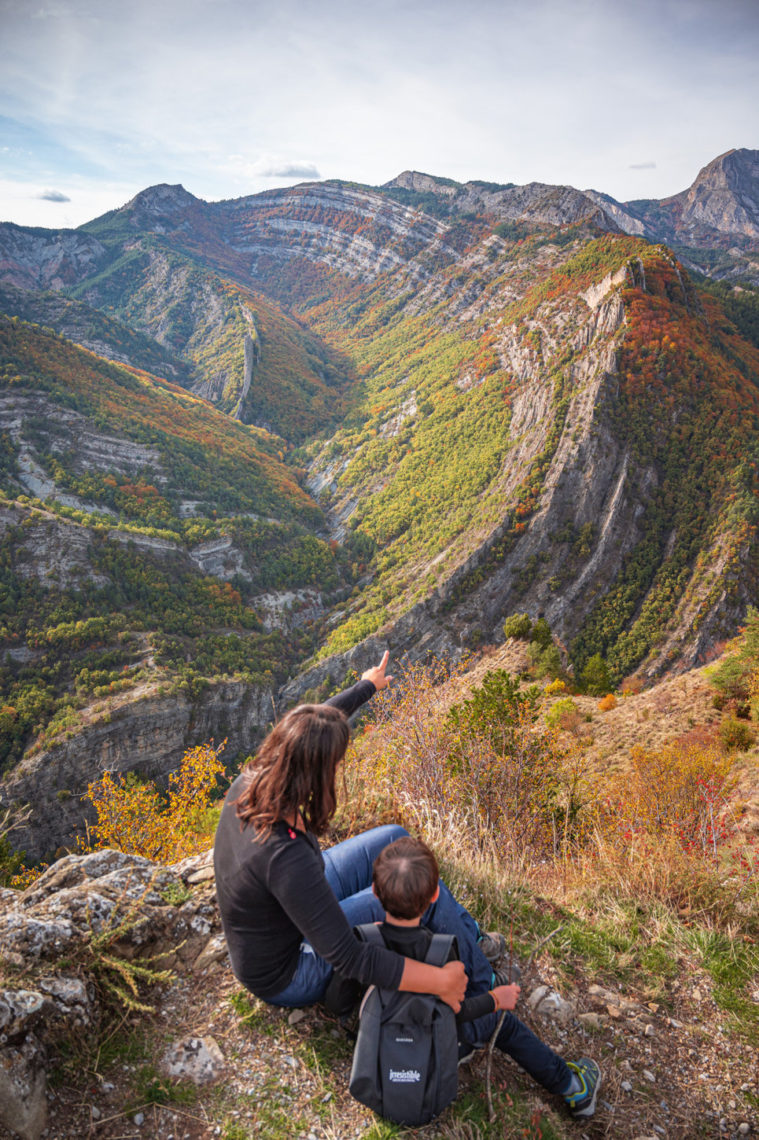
[492, 412]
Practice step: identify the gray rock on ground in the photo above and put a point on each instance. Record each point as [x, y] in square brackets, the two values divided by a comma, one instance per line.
[198, 1059]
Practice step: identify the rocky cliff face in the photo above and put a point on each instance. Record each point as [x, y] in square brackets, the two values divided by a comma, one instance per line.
[50, 938]
[54, 259]
[537, 203]
[724, 197]
[148, 733]
[718, 212]
[575, 497]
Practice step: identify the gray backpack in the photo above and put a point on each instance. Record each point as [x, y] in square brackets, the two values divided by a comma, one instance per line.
[405, 1062]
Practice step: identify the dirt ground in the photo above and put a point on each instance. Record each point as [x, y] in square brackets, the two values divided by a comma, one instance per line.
[671, 1068]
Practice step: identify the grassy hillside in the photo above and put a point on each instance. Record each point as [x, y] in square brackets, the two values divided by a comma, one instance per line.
[629, 896]
[95, 330]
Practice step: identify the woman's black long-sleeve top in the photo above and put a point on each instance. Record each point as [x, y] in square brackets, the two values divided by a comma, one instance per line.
[274, 895]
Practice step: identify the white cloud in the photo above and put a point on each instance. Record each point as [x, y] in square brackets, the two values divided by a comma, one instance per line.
[21, 202]
[305, 170]
[53, 196]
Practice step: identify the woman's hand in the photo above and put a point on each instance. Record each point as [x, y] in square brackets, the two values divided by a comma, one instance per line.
[448, 981]
[454, 985]
[506, 997]
[377, 673]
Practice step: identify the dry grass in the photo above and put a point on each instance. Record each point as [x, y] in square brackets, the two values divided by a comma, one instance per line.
[666, 823]
[674, 707]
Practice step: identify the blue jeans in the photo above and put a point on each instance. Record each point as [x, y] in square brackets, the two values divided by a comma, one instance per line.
[348, 870]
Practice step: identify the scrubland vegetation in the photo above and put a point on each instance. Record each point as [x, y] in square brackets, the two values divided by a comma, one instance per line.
[648, 855]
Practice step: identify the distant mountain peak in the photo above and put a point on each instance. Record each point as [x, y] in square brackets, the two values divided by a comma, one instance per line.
[161, 199]
[422, 183]
[724, 196]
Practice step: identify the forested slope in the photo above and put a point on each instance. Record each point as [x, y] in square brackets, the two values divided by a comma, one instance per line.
[166, 536]
[501, 402]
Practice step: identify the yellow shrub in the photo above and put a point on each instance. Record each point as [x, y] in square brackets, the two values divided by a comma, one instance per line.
[138, 819]
[554, 687]
[607, 702]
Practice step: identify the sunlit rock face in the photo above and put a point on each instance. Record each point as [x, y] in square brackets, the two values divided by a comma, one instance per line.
[724, 197]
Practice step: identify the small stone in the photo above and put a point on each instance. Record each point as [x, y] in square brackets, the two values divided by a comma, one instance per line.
[327, 1098]
[548, 1003]
[697, 995]
[291, 1062]
[197, 1059]
[674, 1024]
[215, 950]
[744, 1129]
[649, 1075]
[96, 1113]
[201, 876]
[604, 994]
[23, 1088]
[537, 996]
[626, 1087]
[139, 1119]
[614, 1011]
[649, 1031]
[295, 1016]
[658, 1128]
[590, 1021]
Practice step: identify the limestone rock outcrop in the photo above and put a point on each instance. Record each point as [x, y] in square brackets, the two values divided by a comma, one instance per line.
[58, 942]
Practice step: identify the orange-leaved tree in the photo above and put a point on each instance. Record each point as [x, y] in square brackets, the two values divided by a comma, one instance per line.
[139, 819]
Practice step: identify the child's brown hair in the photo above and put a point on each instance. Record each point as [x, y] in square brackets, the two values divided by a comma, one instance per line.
[405, 877]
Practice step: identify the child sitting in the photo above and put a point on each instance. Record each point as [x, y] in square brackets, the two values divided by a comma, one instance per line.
[405, 880]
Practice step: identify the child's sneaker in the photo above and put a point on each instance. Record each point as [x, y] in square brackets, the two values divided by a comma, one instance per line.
[583, 1101]
[508, 973]
[493, 946]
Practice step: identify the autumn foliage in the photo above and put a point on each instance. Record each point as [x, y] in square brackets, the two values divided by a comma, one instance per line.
[139, 819]
[488, 776]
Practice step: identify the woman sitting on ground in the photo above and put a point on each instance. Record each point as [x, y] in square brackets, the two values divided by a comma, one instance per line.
[287, 908]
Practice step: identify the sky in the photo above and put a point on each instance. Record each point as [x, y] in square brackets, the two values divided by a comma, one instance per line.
[99, 99]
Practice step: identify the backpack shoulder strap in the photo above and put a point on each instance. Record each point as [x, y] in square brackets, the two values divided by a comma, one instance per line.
[440, 949]
[370, 932]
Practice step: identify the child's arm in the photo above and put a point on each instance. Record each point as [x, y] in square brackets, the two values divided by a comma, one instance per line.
[505, 997]
[502, 997]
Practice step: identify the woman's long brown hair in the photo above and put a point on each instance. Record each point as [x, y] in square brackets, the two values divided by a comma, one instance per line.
[294, 770]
